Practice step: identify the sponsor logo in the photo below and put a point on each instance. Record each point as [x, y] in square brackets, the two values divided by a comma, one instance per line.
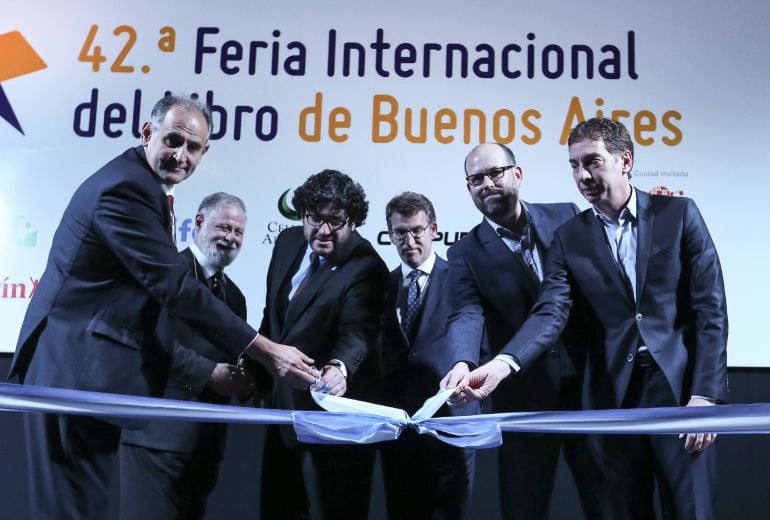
[662, 190]
[442, 237]
[17, 59]
[17, 290]
[20, 232]
[285, 208]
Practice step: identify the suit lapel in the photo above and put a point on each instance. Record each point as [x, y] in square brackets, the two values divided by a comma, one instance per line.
[300, 302]
[431, 298]
[541, 227]
[502, 261]
[603, 254]
[396, 287]
[644, 231]
[327, 271]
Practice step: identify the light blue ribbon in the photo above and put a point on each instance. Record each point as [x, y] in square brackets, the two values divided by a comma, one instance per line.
[368, 423]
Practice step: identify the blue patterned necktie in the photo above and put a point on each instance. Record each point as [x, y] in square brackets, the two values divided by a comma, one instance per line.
[412, 300]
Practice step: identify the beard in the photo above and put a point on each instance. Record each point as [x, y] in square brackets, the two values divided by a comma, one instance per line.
[220, 253]
[496, 203]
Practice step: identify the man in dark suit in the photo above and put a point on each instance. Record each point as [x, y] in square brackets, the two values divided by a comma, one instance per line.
[424, 478]
[103, 316]
[325, 296]
[645, 271]
[168, 468]
[495, 275]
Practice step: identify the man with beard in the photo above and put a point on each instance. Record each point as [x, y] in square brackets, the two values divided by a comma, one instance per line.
[168, 468]
[644, 271]
[325, 296]
[495, 275]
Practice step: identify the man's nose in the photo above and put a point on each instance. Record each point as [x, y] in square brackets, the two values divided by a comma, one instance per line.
[487, 182]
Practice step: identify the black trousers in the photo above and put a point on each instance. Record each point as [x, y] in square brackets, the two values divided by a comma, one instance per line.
[313, 481]
[70, 464]
[165, 485]
[426, 479]
[632, 465]
[527, 465]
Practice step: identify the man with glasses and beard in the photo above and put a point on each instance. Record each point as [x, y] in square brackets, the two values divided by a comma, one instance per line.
[325, 296]
[169, 468]
[495, 275]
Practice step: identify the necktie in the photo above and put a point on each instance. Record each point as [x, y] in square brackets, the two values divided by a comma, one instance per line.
[412, 301]
[170, 199]
[524, 247]
[315, 263]
[218, 285]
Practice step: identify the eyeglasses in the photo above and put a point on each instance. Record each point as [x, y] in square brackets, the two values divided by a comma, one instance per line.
[494, 174]
[334, 223]
[416, 232]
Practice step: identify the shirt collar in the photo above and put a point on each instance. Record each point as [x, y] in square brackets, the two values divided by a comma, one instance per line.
[497, 226]
[208, 269]
[168, 189]
[629, 210]
[426, 267]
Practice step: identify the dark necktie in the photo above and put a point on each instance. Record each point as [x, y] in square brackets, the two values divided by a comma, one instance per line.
[170, 199]
[315, 263]
[218, 285]
[526, 247]
[412, 301]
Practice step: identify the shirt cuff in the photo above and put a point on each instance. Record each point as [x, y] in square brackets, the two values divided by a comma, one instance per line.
[510, 361]
[243, 352]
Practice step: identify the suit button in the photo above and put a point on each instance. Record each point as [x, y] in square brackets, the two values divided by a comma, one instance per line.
[639, 317]
[554, 352]
[411, 355]
[630, 358]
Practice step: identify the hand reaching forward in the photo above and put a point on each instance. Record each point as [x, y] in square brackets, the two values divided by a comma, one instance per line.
[283, 362]
[480, 383]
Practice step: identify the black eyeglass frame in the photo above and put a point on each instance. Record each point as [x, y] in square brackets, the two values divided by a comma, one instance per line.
[494, 174]
[334, 223]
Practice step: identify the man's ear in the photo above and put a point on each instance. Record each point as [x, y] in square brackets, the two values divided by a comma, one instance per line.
[628, 162]
[146, 133]
[198, 220]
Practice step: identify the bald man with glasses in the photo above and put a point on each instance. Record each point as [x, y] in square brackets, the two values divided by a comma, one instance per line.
[495, 274]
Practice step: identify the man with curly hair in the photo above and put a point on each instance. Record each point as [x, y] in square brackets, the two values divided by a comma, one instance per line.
[325, 296]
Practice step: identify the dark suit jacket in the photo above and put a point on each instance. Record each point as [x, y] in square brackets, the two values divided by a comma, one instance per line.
[193, 361]
[413, 368]
[493, 291]
[97, 320]
[680, 311]
[336, 316]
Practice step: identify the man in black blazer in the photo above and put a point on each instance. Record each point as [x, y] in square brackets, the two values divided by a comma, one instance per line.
[424, 478]
[103, 316]
[325, 296]
[644, 271]
[168, 468]
[495, 275]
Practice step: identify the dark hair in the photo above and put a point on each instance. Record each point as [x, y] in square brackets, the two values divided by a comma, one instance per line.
[335, 189]
[613, 133]
[220, 198]
[507, 151]
[410, 203]
[187, 103]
